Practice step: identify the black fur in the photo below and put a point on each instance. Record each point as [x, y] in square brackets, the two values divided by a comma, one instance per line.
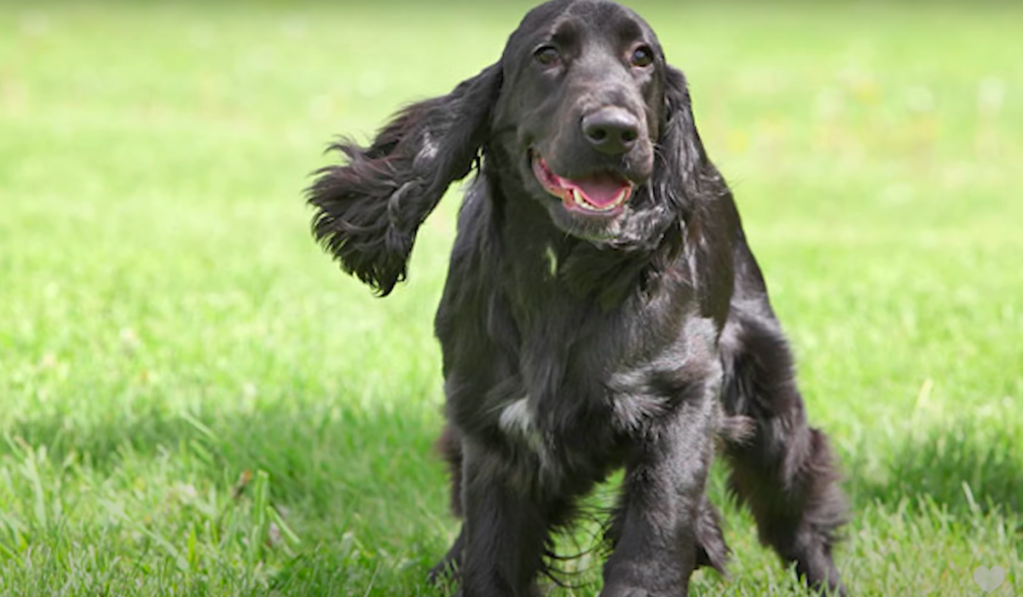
[577, 342]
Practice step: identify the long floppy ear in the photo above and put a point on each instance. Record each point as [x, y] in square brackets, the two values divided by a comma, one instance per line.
[369, 209]
[685, 176]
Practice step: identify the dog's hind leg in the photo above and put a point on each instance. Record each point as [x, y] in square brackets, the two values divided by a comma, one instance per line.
[783, 470]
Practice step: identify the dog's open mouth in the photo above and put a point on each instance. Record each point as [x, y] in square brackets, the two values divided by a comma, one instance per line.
[601, 193]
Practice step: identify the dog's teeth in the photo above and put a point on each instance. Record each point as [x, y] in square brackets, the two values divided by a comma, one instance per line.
[577, 198]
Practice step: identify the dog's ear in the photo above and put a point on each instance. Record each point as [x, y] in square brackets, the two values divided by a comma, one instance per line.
[683, 175]
[369, 208]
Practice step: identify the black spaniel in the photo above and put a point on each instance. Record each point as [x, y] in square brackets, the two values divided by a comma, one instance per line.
[602, 310]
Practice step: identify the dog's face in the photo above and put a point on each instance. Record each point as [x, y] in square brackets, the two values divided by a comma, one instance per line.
[580, 111]
[581, 116]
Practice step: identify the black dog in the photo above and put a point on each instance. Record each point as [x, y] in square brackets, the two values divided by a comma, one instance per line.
[602, 310]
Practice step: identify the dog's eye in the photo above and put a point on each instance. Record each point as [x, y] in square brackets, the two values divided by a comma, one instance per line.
[642, 56]
[547, 55]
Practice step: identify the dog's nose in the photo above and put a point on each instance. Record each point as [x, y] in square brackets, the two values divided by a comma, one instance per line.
[611, 130]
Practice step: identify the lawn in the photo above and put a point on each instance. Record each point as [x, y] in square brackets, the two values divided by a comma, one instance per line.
[194, 401]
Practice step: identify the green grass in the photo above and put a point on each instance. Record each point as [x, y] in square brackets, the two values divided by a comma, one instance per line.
[193, 401]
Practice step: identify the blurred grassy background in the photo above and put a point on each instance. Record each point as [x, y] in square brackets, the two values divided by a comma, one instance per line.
[194, 401]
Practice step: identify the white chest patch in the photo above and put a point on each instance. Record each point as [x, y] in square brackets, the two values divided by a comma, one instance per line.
[518, 421]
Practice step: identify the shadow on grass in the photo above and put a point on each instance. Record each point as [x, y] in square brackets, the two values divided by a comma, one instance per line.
[370, 495]
[318, 454]
[965, 466]
[362, 487]
[314, 451]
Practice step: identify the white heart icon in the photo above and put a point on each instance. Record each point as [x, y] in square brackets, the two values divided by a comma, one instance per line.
[989, 580]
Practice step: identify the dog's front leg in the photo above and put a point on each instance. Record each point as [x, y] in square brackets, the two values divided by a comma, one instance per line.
[655, 532]
[505, 529]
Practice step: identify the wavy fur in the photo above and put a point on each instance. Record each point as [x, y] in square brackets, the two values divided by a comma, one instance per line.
[576, 342]
[370, 208]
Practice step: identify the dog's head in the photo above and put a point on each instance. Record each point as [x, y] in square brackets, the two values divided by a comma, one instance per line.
[580, 111]
[581, 114]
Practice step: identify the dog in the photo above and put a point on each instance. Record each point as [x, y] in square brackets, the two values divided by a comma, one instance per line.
[602, 311]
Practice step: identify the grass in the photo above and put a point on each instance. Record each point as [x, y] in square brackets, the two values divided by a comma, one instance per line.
[195, 402]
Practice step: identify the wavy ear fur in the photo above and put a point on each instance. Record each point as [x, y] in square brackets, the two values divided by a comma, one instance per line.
[685, 177]
[369, 209]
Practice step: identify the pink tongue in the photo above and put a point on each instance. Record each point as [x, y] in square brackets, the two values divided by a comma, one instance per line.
[599, 190]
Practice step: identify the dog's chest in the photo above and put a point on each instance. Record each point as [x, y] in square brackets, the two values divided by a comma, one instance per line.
[584, 398]
[519, 423]
[558, 384]
[548, 452]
